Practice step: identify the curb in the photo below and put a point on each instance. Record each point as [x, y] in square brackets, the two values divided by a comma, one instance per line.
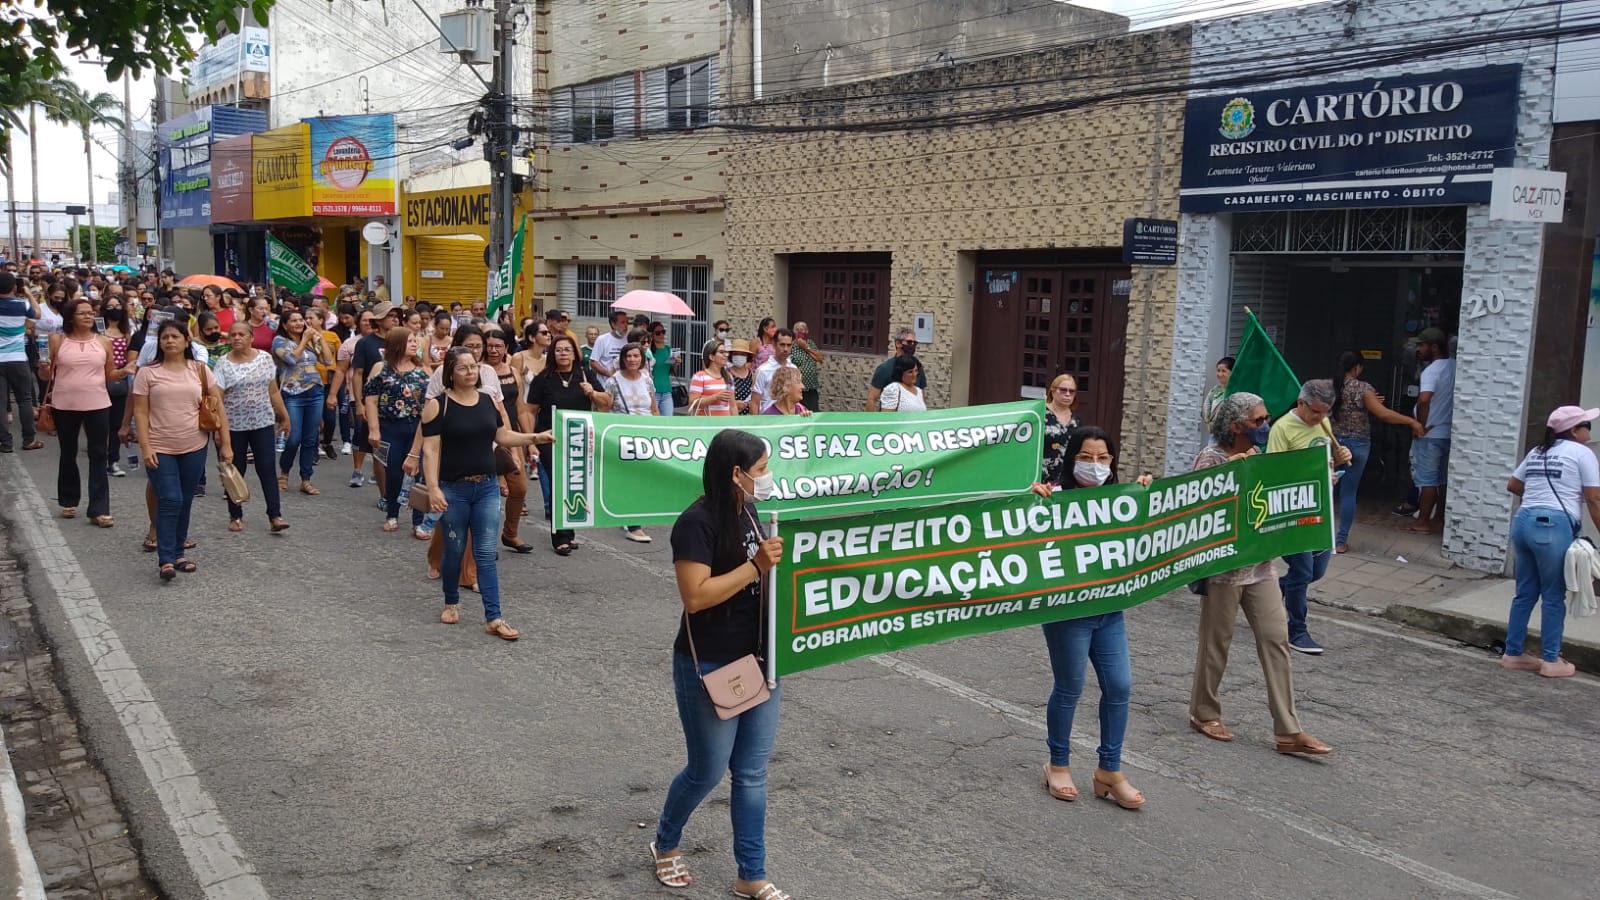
[1485, 633]
[19, 872]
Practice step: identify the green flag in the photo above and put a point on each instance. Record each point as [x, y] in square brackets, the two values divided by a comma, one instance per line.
[286, 268]
[1258, 368]
[505, 282]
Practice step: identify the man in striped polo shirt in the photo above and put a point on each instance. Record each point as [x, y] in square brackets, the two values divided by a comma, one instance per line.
[16, 379]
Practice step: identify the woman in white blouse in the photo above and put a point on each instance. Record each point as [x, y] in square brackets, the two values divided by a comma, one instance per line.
[902, 393]
[634, 394]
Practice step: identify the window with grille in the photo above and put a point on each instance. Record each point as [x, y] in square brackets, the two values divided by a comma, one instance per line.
[844, 298]
[596, 287]
[692, 284]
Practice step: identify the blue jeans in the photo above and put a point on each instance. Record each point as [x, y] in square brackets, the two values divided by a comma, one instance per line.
[664, 403]
[474, 508]
[1304, 568]
[544, 477]
[260, 443]
[174, 480]
[739, 746]
[1430, 461]
[1539, 542]
[1102, 640]
[1360, 451]
[399, 433]
[305, 423]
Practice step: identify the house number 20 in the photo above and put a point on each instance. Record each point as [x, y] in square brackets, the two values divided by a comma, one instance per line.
[1484, 304]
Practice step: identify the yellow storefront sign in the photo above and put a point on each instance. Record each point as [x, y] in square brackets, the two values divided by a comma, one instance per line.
[281, 172]
[447, 212]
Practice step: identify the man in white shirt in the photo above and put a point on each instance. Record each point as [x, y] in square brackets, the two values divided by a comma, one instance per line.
[608, 346]
[1430, 455]
[782, 349]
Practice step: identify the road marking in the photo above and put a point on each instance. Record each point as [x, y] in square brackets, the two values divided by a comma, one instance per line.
[30, 886]
[1327, 832]
[219, 865]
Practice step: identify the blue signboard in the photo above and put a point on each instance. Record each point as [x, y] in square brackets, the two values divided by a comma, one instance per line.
[1431, 139]
[185, 160]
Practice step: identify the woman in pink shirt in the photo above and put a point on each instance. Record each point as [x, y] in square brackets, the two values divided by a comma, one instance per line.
[710, 394]
[166, 409]
[79, 367]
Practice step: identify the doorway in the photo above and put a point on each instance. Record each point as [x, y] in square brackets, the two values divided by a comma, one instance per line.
[1031, 324]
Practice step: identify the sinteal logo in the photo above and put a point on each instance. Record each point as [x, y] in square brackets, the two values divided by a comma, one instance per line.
[1284, 503]
[1238, 119]
[577, 449]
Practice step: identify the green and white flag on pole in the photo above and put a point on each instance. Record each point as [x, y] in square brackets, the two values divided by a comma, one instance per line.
[505, 282]
[287, 269]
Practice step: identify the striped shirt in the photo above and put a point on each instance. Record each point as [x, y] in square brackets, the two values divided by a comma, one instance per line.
[14, 315]
[704, 386]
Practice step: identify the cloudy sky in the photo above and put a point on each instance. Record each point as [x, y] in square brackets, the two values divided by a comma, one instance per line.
[63, 174]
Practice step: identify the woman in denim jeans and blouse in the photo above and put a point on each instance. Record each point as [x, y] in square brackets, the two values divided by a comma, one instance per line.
[459, 431]
[299, 348]
[719, 558]
[1089, 459]
[1557, 481]
[1353, 401]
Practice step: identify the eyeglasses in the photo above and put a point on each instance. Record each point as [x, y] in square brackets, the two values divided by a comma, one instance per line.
[1583, 425]
[541, 333]
[1261, 420]
[1066, 390]
[658, 333]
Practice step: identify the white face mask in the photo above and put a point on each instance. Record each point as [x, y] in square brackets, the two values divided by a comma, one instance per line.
[723, 334]
[738, 360]
[1090, 474]
[762, 487]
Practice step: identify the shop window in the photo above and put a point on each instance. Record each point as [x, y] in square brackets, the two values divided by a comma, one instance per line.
[844, 298]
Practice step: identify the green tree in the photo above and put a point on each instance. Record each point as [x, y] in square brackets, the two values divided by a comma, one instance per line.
[75, 106]
[132, 37]
[105, 244]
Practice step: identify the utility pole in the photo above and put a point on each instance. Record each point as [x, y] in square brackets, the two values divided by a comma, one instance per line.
[499, 141]
[130, 170]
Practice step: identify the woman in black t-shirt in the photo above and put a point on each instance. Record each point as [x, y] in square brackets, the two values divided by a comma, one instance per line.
[459, 431]
[719, 558]
[565, 383]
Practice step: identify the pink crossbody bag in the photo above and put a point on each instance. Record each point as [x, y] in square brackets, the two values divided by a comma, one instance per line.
[742, 684]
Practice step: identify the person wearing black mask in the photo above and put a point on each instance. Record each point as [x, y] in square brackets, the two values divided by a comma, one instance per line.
[115, 315]
[905, 344]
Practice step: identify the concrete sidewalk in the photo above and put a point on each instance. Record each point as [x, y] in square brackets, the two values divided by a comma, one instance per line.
[19, 873]
[1404, 577]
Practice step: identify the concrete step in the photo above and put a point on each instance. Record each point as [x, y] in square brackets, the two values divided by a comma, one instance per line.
[19, 872]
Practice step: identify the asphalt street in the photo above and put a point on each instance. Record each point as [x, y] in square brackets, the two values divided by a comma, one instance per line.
[354, 747]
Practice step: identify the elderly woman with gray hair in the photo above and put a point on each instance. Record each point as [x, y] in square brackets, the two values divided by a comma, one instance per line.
[1241, 423]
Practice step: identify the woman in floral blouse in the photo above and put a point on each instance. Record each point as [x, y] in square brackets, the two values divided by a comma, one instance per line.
[1059, 421]
[250, 397]
[299, 348]
[395, 391]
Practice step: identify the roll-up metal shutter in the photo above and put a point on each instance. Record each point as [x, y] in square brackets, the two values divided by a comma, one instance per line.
[1263, 285]
[450, 269]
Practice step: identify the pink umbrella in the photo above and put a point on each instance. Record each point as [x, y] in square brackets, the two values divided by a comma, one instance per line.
[323, 284]
[658, 302]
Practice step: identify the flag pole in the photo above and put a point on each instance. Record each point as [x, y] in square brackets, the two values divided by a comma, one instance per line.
[771, 600]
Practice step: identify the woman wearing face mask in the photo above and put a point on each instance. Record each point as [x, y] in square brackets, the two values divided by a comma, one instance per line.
[79, 368]
[719, 558]
[766, 340]
[1240, 425]
[116, 317]
[901, 394]
[249, 381]
[213, 338]
[1101, 640]
[564, 384]
[299, 348]
[740, 374]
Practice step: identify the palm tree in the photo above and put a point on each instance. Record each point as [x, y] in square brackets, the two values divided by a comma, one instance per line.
[75, 106]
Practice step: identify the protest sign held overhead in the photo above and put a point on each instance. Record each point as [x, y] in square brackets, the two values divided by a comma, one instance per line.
[868, 584]
[614, 469]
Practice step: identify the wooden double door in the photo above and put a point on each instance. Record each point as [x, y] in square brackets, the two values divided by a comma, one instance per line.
[1032, 324]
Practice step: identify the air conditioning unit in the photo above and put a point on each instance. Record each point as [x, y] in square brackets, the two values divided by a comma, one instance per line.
[469, 34]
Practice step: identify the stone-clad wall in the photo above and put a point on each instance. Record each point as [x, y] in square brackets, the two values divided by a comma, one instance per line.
[933, 197]
[1494, 365]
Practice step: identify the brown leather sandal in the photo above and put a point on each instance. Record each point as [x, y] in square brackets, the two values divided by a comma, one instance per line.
[1300, 743]
[451, 614]
[1213, 729]
[501, 630]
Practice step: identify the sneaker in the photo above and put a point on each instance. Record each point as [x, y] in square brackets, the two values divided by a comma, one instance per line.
[637, 536]
[199, 490]
[1558, 669]
[357, 479]
[1405, 511]
[6, 448]
[345, 449]
[328, 451]
[383, 505]
[117, 471]
[1305, 644]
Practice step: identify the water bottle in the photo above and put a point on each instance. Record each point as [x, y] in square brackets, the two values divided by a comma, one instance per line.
[281, 442]
[405, 490]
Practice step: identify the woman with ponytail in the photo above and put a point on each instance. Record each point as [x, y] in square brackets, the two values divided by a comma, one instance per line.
[1353, 401]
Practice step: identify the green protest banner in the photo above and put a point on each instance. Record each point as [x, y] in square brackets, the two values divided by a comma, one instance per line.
[612, 469]
[286, 268]
[863, 585]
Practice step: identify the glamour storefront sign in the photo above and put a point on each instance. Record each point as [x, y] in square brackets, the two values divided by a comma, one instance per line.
[1427, 139]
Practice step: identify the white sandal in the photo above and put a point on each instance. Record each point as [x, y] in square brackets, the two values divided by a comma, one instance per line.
[670, 870]
[769, 892]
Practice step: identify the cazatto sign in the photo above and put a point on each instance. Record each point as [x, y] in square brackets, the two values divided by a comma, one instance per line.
[1427, 139]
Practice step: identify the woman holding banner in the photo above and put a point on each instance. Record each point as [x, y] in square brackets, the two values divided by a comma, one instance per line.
[565, 383]
[1240, 423]
[720, 561]
[1101, 640]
